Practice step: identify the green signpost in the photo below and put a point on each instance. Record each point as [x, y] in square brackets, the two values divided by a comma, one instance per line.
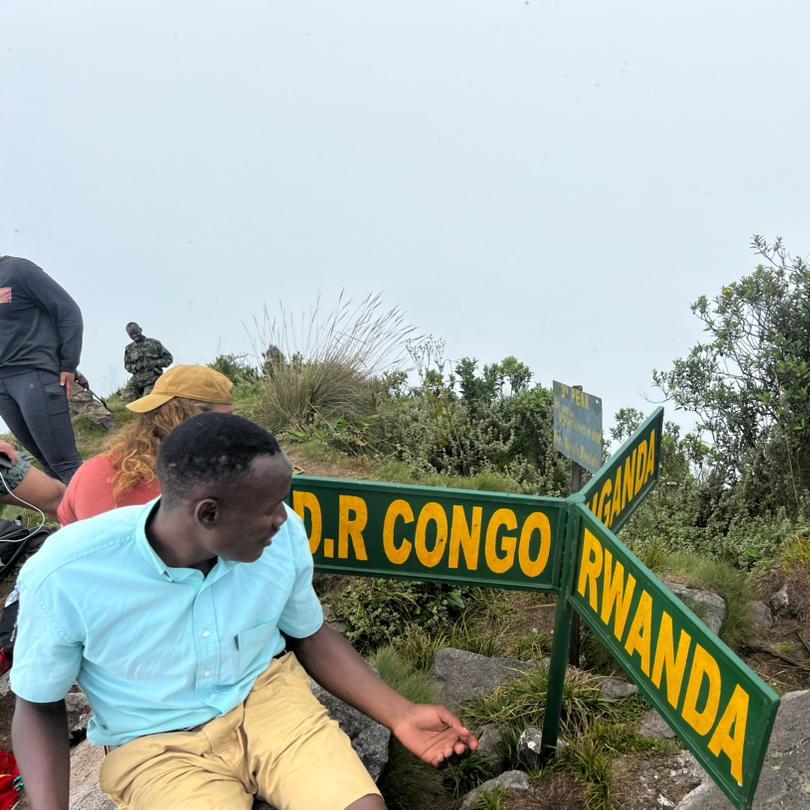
[430, 533]
[721, 710]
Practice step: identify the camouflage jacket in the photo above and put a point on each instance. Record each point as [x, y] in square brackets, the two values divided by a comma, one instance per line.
[147, 359]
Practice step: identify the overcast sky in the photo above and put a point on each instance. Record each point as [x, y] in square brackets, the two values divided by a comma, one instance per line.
[554, 180]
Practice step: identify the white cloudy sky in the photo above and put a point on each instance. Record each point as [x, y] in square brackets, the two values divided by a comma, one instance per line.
[553, 180]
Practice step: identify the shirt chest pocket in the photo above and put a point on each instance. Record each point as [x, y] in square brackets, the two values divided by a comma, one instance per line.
[259, 642]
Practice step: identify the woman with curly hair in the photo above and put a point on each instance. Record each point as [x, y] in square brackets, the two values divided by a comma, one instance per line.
[124, 474]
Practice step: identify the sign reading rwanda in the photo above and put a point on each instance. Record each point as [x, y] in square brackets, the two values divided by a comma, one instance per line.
[578, 426]
[719, 707]
[431, 533]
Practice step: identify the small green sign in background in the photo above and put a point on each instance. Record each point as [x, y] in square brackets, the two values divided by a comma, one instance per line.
[577, 425]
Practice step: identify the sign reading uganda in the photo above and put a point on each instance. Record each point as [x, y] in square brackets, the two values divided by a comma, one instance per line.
[427, 533]
[623, 483]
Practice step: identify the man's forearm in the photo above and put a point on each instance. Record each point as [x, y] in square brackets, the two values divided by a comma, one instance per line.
[336, 666]
[39, 734]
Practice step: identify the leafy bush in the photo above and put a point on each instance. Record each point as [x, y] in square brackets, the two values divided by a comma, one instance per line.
[468, 423]
[378, 610]
[235, 367]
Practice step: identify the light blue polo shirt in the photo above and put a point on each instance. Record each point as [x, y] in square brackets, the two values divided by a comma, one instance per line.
[154, 648]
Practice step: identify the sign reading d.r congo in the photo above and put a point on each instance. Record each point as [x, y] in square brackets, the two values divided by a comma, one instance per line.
[430, 533]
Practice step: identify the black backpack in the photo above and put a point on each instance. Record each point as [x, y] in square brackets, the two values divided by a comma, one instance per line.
[16, 543]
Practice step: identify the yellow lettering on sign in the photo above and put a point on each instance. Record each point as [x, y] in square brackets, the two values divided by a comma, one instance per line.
[604, 503]
[729, 736]
[431, 513]
[651, 456]
[465, 537]
[304, 502]
[589, 569]
[616, 510]
[398, 509]
[669, 661]
[629, 491]
[500, 563]
[639, 639]
[535, 522]
[704, 668]
[353, 517]
[641, 465]
[616, 595]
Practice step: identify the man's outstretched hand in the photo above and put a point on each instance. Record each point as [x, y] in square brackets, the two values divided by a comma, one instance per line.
[434, 734]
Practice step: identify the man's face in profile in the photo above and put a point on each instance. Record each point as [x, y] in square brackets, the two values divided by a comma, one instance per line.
[251, 515]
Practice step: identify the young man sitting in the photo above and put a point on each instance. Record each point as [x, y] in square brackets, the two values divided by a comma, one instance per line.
[174, 618]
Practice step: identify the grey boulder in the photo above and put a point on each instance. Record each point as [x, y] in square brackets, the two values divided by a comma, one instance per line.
[463, 675]
[509, 780]
[708, 605]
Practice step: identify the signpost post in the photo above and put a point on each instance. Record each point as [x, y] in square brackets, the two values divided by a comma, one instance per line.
[721, 710]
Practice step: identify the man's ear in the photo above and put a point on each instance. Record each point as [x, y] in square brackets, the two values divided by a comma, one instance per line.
[206, 512]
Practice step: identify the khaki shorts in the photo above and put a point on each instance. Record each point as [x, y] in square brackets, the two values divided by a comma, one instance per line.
[279, 745]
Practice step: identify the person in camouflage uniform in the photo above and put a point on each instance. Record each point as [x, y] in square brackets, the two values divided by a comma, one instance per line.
[85, 403]
[144, 358]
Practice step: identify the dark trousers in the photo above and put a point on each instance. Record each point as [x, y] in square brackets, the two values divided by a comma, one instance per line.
[35, 408]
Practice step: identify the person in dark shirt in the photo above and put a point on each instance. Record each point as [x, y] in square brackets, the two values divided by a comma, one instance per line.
[40, 345]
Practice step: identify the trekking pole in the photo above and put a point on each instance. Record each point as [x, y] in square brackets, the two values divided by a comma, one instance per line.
[96, 396]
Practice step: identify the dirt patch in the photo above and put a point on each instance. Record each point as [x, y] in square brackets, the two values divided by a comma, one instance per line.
[357, 468]
[650, 783]
[530, 613]
[559, 791]
[789, 635]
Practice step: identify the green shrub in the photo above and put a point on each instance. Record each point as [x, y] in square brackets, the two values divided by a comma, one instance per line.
[522, 702]
[417, 647]
[592, 764]
[497, 799]
[235, 367]
[720, 577]
[378, 610]
[407, 783]
[795, 554]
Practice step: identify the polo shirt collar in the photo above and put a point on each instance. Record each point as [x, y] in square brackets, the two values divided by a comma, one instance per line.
[153, 558]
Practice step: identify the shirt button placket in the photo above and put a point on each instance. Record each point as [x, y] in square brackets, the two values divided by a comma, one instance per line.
[206, 640]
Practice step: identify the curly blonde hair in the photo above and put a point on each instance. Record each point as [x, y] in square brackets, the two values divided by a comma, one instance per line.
[133, 451]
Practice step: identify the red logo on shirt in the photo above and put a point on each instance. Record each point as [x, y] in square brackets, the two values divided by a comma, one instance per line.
[5, 295]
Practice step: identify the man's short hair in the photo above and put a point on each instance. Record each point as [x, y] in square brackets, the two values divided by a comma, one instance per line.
[132, 323]
[210, 448]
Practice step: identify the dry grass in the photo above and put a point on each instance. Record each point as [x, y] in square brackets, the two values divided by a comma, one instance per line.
[323, 365]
